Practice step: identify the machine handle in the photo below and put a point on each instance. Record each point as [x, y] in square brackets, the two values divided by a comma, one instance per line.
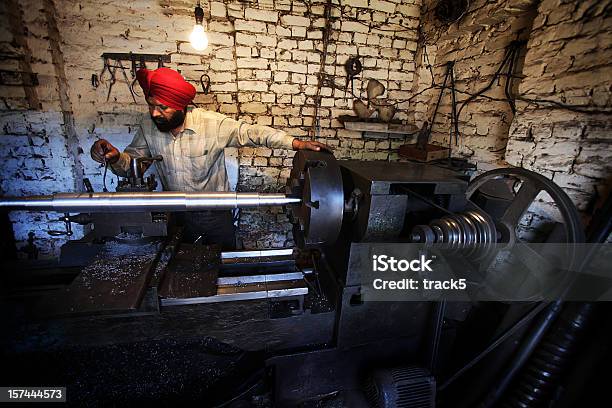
[138, 170]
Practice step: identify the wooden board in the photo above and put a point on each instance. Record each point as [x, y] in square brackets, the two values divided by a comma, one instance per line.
[379, 127]
[430, 153]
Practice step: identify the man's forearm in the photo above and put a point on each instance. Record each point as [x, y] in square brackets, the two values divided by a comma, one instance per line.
[278, 139]
[298, 144]
[121, 166]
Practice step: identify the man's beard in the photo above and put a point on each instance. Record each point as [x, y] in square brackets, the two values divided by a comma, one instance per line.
[165, 125]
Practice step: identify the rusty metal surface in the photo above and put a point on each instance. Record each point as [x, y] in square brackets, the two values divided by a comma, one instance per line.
[378, 177]
[380, 218]
[192, 272]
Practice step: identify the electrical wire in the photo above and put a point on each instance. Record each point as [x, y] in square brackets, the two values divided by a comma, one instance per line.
[509, 61]
[376, 26]
[574, 108]
[508, 54]
[104, 189]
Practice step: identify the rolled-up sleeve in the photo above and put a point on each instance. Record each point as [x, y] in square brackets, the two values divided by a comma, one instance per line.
[137, 148]
[235, 133]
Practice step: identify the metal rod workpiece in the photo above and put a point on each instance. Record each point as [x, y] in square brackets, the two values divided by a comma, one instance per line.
[158, 201]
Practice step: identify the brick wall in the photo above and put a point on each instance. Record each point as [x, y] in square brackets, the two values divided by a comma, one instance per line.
[36, 153]
[263, 60]
[566, 59]
[477, 46]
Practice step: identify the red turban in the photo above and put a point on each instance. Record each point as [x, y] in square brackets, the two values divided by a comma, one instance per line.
[167, 86]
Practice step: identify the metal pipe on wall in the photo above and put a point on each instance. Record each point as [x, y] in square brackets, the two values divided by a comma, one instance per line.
[164, 201]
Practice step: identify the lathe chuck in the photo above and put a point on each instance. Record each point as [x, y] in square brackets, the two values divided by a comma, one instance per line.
[316, 179]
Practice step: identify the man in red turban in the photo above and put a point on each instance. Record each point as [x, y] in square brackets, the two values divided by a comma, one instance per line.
[191, 142]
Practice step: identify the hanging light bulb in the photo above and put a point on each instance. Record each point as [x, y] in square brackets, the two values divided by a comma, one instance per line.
[198, 37]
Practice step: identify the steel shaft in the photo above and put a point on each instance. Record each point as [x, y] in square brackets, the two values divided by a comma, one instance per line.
[165, 201]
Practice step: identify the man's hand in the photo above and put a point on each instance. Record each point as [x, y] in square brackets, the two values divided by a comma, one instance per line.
[102, 150]
[308, 145]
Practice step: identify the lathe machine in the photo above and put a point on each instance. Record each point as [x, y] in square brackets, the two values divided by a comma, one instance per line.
[131, 313]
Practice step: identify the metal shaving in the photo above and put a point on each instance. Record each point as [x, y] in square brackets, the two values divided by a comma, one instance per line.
[118, 263]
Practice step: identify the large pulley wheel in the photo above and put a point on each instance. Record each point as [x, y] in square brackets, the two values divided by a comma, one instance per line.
[519, 269]
[523, 187]
[316, 179]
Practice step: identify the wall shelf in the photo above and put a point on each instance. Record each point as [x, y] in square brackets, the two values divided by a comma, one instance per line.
[378, 130]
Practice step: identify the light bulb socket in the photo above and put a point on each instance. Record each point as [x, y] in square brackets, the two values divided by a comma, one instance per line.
[199, 15]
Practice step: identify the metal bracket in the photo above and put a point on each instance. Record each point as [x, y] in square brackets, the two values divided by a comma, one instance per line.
[138, 60]
[112, 62]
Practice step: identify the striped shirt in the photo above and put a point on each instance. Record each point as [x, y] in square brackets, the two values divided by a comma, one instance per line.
[194, 159]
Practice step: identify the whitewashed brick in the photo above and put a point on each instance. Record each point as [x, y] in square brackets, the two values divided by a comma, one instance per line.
[313, 57]
[253, 107]
[346, 49]
[291, 67]
[266, 40]
[409, 10]
[221, 76]
[353, 26]
[218, 9]
[226, 87]
[264, 120]
[220, 27]
[370, 51]
[242, 73]
[360, 38]
[283, 32]
[263, 74]
[268, 97]
[261, 15]
[295, 20]
[235, 10]
[399, 44]
[246, 39]
[222, 65]
[224, 98]
[381, 5]
[298, 31]
[267, 53]
[287, 44]
[250, 26]
[298, 78]
[281, 76]
[299, 55]
[228, 108]
[285, 88]
[280, 121]
[258, 63]
[220, 38]
[243, 51]
[258, 86]
[359, 3]
[315, 34]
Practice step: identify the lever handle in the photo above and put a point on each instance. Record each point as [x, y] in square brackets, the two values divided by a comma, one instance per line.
[137, 169]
